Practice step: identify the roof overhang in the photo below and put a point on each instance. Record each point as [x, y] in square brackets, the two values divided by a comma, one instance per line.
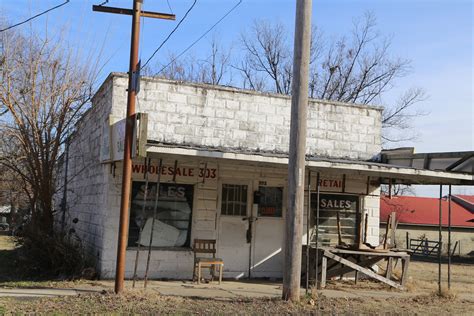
[385, 172]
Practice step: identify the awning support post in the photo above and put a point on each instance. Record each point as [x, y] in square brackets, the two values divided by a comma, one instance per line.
[449, 238]
[316, 276]
[440, 237]
[308, 220]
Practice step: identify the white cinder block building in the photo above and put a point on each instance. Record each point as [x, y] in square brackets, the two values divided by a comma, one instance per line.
[223, 176]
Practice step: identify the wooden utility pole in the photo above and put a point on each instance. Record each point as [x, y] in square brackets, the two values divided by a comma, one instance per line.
[297, 151]
[127, 155]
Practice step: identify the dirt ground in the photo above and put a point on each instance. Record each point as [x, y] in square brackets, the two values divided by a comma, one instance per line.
[419, 299]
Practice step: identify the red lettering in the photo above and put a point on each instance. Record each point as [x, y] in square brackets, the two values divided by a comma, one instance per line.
[178, 171]
[191, 172]
[170, 171]
[136, 168]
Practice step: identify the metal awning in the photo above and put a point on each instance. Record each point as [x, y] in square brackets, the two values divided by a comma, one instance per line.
[386, 173]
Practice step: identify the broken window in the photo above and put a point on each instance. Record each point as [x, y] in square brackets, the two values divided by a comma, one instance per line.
[172, 225]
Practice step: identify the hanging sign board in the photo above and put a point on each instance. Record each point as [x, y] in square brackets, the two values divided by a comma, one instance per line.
[113, 138]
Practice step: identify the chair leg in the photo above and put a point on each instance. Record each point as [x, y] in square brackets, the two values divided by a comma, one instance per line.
[199, 273]
[221, 267]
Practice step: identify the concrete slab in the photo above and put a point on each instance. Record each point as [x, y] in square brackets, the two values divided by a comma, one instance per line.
[42, 292]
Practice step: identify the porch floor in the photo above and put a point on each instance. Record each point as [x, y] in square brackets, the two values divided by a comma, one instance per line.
[244, 289]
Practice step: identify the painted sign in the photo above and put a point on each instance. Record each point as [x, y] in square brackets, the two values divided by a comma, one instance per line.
[208, 173]
[338, 201]
[113, 138]
[337, 218]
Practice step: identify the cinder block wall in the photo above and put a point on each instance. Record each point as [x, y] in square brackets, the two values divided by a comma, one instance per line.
[204, 115]
[87, 177]
[200, 115]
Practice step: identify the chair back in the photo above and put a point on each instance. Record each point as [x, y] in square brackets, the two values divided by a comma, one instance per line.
[204, 246]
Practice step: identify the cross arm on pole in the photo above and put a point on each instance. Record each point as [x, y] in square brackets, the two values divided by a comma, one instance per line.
[147, 14]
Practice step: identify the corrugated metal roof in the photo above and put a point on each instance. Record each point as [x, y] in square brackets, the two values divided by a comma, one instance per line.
[424, 211]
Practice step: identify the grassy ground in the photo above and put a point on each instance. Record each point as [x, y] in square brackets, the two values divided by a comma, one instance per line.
[421, 300]
[138, 302]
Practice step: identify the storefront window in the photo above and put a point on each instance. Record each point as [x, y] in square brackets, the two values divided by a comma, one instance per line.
[234, 200]
[172, 227]
[271, 201]
[330, 205]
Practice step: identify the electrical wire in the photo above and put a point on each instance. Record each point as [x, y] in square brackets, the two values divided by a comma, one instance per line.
[169, 35]
[200, 37]
[34, 17]
[169, 6]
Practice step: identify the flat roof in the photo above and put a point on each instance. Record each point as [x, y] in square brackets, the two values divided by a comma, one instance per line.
[386, 172]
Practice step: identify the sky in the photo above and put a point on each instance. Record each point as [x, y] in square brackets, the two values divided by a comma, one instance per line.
[435, 35]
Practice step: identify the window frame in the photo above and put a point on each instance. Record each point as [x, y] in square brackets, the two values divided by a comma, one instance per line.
[283, 200]
[231, 181]
[188, 244]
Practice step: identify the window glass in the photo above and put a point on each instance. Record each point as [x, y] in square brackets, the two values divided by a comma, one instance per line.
[329, 206]
[234, 200]
[172, 225]
[271, 201]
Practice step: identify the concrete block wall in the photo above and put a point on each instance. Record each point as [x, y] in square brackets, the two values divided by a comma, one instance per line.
[87, 177]
[200, 115]
[172, 263]
[204, 115]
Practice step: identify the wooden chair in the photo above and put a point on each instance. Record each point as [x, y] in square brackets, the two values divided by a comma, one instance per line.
[206, 246]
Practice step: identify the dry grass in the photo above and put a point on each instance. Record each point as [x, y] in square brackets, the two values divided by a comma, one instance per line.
[421, 299]
[150, 302]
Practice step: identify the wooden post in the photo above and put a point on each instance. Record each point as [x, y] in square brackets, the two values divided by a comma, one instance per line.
[127, 153]
[297, 151]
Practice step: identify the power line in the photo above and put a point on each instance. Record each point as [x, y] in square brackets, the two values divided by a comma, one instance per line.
[169, 6]
[35, 16]
[169, 35]
[200, 37]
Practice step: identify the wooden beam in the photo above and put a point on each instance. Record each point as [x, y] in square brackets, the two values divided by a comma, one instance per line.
[368, 262]
[365, 271]
[146, 14]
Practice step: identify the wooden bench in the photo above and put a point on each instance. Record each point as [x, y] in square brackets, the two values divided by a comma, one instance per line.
[206, 246]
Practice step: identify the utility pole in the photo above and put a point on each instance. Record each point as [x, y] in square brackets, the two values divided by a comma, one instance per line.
[297, 151]
[136, 13]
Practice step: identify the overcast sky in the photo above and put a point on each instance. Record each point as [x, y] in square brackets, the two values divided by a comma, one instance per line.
[436, 35]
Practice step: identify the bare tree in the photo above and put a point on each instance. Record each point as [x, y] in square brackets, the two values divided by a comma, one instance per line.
[214, 68]
[267, 51]
[358, 69]
[44, 88]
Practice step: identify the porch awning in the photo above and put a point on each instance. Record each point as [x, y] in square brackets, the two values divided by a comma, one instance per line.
[386, 173]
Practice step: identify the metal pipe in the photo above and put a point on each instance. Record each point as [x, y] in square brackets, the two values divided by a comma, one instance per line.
[440, 237]
[145, 195]
[449, 238]
[308, 219]
[155, 207]
[316, 276]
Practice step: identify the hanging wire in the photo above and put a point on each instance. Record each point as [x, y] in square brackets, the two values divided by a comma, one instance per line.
[34, 17]
[169, 6]
[171, 33]
[199, 38]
